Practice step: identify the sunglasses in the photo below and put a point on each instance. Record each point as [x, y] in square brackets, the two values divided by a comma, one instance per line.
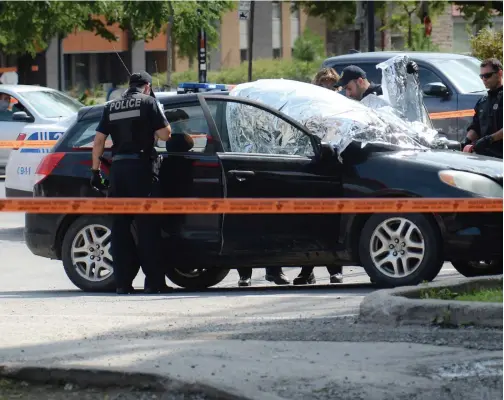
[487, 75]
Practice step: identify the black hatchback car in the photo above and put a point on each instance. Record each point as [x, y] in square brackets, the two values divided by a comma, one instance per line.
[394, 249]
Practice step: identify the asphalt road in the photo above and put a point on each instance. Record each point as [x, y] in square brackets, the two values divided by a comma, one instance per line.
[293, 342]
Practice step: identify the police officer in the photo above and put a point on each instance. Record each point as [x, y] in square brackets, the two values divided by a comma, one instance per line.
[133, 122]
[485, 131]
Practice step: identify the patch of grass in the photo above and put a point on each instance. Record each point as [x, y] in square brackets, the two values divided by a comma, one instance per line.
[485, 295]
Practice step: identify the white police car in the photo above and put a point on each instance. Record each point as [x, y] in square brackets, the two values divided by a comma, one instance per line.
[22, 163]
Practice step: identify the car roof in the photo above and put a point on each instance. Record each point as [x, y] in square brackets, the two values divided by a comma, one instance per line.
[384, 55]
[24, 88]
[95, 111]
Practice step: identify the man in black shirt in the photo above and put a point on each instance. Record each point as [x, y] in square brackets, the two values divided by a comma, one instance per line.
[132, 121]
[354, 81]
[485, 131]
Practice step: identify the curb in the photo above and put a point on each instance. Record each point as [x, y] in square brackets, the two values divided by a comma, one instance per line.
[106, 378]
[403, 306]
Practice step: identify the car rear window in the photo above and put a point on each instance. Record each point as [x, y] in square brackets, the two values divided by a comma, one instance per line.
[185, 119]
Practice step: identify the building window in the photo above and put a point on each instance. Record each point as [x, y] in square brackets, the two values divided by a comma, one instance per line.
[277, 29]
[243, 55]
[244, 28]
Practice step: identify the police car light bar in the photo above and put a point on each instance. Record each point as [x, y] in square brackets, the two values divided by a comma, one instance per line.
[190, 87]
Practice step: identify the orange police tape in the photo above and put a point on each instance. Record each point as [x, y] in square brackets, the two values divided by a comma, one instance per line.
[247, 205]
[44, 144]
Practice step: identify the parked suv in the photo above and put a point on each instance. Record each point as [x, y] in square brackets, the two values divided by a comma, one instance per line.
[450, 83]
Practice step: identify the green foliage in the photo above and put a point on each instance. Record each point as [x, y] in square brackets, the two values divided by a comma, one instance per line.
[338, 14]
[308, 47]
[487, 44]
[479, 13]
[28, 26]
[263, 69]
[146, 19]
[420, 42]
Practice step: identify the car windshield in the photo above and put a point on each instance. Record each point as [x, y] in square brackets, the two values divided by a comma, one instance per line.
[52, 104]
[463, 72]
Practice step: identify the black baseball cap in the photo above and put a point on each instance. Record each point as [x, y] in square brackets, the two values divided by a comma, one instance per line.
[349, 74]
[140, 78]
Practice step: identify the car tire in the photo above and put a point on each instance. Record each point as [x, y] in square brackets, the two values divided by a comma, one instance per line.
[197, 279]
[418, 237]
[74, 240]
[478, 268]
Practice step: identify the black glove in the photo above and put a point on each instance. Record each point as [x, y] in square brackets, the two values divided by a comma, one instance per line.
[465, 142]
[412, 67]
[482, 144]
[97, 181]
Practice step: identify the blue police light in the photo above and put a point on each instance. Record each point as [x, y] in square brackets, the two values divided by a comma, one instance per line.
[191, 87]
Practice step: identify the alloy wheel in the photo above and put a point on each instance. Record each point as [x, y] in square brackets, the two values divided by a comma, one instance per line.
[90, 253]
[397, 247]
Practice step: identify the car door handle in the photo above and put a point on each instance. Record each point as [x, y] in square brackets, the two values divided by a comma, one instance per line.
[241, 175]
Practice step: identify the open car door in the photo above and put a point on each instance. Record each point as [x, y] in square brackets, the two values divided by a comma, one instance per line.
[266, 154]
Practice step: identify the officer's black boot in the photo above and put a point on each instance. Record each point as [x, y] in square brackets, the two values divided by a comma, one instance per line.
[305, 277]
[245, 276]
[276, 275]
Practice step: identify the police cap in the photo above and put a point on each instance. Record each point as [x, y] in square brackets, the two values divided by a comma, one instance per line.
[140, 78]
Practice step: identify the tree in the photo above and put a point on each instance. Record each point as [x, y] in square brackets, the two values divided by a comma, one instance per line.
[339, 14]
[308, 47]
[487, 44]
[27, 27]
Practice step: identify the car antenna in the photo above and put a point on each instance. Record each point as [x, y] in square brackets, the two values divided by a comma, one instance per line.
[120, 59]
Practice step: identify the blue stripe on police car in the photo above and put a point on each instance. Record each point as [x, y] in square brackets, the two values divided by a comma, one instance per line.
[42, 136]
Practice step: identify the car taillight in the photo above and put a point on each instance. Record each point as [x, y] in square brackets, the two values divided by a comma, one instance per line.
[21, 137]
[47, 165]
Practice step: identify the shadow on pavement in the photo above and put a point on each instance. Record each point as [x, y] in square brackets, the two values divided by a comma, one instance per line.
[339, 289]
[12, 234]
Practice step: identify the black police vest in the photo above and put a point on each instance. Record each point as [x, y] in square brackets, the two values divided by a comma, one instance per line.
[129, 124]
[488, 113]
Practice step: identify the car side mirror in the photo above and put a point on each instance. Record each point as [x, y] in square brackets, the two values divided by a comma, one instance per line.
[22, 116]
[327, 150]
[436, 89]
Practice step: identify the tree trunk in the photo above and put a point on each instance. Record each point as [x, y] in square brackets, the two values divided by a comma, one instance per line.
[169, 50]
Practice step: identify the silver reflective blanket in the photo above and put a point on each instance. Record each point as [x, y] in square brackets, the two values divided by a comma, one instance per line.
[327, 114]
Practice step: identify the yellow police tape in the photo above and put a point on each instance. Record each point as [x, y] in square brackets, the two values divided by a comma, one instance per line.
[247, 205]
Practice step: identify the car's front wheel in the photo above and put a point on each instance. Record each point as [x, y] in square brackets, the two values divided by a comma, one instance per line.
[478, 268]
[400, 249]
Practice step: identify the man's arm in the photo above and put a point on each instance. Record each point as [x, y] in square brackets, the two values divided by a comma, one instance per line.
[160, 124]
[98, 149]
[99, 140]
[473, 130]
[497, 135]
[164, 133]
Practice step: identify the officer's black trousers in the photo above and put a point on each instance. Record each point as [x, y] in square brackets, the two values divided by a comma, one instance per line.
[133, 178]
